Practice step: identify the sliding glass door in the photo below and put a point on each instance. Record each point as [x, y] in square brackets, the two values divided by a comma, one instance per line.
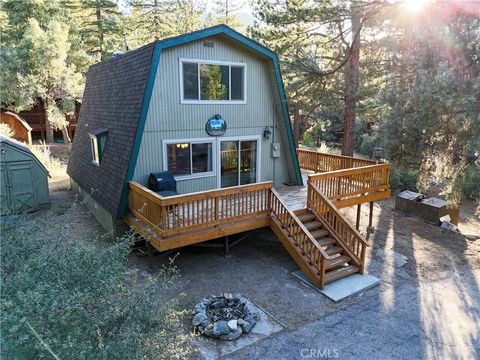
[229, 151]
[238, 162]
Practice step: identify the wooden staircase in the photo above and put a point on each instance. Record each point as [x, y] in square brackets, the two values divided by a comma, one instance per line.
[320, 240]
[340, 264]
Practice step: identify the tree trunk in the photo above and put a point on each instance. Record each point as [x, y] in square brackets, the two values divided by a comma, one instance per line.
[98, 14]
[156, 19]
[351, 83]
[48, 131]
[296, 125]
[66, 137]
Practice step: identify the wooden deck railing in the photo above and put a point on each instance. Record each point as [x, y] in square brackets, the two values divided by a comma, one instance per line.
[344, 187]
[301, 238]
[181, 213]
[322, 162]
[38, 119]
[337, 224]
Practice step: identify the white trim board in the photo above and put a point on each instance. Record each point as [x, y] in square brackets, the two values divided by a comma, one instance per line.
[191, 141]
[256, 138]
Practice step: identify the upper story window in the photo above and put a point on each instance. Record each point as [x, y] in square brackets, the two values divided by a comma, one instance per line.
[98, 138]
[212, 82]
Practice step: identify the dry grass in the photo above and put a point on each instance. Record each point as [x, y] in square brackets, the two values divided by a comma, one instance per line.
[56, 166]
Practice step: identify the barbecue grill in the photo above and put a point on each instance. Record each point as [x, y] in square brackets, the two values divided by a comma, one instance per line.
[163, 183]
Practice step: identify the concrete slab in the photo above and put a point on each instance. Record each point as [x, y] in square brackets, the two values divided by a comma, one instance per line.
[213, 349]
[389, 255]
[343, 288]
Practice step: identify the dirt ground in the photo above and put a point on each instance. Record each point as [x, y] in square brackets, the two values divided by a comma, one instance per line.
[434, 297]
[427, 308]
[433, 252]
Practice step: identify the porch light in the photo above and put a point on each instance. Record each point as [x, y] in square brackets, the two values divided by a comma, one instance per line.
[267, 133]
[182, 146]
[378, 153]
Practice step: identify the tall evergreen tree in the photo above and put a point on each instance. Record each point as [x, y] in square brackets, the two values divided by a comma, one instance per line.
[35, 61]
[99, 24]
[226, 12]
[431, 118]
[319, 42]
[151, 20]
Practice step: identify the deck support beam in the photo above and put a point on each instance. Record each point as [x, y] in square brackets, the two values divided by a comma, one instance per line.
[370, 215]
[359, 209]
[227, 246]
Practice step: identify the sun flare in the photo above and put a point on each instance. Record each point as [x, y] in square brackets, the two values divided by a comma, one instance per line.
[415, 6]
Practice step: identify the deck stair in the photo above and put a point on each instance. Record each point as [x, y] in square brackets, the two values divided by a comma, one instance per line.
[336, 264]
[339, 265]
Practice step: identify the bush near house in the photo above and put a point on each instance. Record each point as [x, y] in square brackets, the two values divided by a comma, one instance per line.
[6, 130]
[79, 299]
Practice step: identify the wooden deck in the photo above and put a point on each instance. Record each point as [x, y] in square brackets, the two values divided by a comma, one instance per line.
[295, 196]
[305, 218]
[343, 187]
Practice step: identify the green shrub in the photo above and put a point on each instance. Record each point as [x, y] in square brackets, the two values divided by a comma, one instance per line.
[308, 140]
[403, 179]
[368, 142]
[471, 185]
[80, 299]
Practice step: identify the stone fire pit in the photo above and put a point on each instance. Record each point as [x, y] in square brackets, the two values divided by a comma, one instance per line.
[224, 317]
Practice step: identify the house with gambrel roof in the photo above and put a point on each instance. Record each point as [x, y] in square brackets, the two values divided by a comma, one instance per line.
[209, 107]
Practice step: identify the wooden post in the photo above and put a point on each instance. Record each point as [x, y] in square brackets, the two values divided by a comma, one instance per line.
[358, 216]
[149, 248]
[227, 247]
[370, 217]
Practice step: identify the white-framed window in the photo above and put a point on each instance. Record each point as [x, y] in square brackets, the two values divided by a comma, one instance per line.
[98, 138]
[190, 158]
[217, 82]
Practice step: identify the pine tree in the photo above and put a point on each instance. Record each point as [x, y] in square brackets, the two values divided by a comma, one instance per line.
[151, 20]
[226, 12]
[99, 26]
[431, 122]
[319, 43]
[35, 62]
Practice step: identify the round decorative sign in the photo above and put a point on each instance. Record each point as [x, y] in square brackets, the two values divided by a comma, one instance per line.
[216, 126]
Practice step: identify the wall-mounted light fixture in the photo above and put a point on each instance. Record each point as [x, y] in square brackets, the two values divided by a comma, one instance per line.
[267, 133]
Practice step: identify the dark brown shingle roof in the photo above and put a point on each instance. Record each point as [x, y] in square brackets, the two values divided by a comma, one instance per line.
[113, 98]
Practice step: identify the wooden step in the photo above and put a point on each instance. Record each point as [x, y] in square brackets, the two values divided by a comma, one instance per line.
[339, 273]
[306, 217]
[318, 234]
[340, 260]
[301, 212]
[326, 241]
[332, 250]
[313, 225]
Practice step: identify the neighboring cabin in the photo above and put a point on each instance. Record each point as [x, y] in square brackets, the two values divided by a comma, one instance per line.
[208, 106]
[36, 118]
[22, 131]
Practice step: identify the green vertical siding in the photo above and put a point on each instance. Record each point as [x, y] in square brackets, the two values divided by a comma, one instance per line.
[168, 119]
